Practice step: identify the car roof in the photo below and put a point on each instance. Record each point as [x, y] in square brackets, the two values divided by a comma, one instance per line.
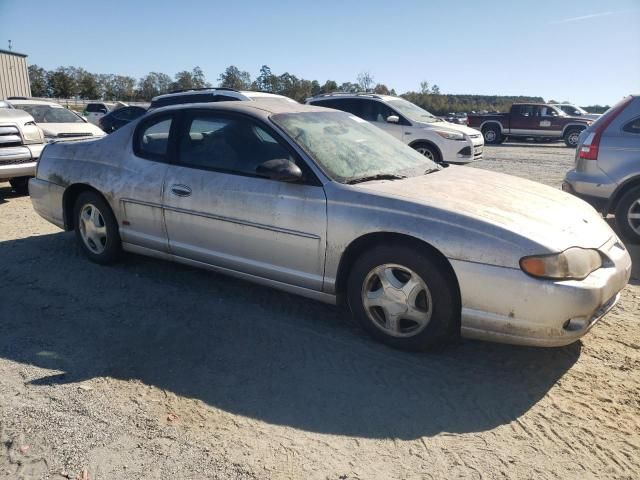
[33, 102]
[264, 108]
[334, 95]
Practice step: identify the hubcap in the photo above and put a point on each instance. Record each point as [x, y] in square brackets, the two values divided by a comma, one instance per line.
[633, 216]
[93, 230]
[489, 136]
[426, 152]
[573, 139]
[397, 300]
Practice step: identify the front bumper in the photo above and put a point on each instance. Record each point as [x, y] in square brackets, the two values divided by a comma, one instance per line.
[463, 152]
[19, 161]
[506, 305]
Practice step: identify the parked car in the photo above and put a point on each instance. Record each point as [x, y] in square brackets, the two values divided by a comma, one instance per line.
[530, 120]
[434, 138]
[575, 111]
[118, 118]
[21, 142]
[607, 169]
[319, 203]
[57, 122]
[219, 94]
[94, 111]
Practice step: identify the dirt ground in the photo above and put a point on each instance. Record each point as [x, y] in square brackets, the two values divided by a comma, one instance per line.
[151, 370]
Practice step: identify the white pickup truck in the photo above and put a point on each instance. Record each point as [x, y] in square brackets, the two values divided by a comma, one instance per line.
[21, 142]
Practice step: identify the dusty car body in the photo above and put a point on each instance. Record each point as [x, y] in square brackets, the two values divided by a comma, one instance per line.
[307, 236]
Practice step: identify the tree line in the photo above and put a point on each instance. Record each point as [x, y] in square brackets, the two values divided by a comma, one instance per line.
[71, 82]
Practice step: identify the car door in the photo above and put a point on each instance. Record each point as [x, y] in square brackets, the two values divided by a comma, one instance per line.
[549, 121]
[219, 212]
[139, 186]
[377, 112]
[524, 120]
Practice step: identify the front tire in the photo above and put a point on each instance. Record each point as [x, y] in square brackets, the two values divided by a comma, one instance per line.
[403, 297]
[20, 185]
[571, 137]
[428, 151]
[96, 228]
[628, 216]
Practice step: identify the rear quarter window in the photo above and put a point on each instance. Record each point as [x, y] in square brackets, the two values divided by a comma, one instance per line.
[633, 126]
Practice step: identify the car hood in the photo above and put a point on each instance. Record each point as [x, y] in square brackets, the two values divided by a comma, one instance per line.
[449, 126]
[70, 129]
[541, 214]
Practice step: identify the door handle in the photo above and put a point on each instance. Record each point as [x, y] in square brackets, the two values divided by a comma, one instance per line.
[181, 190]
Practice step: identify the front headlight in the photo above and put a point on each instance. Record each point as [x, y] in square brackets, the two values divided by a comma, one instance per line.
[450, 135]
[572, 264]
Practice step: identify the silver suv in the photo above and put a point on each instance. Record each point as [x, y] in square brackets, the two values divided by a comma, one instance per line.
[21, 142]
[607, 169]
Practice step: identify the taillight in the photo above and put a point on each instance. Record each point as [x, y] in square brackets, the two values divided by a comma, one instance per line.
[591, 145]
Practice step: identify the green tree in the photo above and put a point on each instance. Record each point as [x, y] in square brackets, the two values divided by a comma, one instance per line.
[435, 90]
[61, 82]
[266, 80]
[38, 81]
[424, 88]
[232, 77]
[381, 89]
[329, 86]
[88, 85]
[153, 84]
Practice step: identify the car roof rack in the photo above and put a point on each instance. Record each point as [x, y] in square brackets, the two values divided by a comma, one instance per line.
[203, 88]
[357, 94]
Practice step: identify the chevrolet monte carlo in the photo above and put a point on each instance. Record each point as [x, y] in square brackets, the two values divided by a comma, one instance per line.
[323, 204]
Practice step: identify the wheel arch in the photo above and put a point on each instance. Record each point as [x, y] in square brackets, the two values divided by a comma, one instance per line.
[365, 242]
[620, 191]
[69, 197]
[490, 122]
[424, 141]
[570, 126]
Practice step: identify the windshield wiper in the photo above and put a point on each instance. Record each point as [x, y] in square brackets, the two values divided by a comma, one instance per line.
[379, 176]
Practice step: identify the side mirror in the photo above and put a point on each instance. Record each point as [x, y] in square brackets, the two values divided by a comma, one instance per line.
[103, 110]
[280, 169]
[393, 119]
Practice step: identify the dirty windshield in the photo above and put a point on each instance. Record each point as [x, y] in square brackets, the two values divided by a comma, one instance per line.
[348, 148]
[49, 114]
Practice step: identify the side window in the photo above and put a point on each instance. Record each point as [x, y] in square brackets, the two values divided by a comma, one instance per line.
[92, 107]
[526, 110]
[374, 111]
[233, 145]
[153, 138]
[350, 105]
[547, 112]
[633, 126]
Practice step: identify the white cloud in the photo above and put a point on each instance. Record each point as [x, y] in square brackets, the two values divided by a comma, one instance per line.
[585, 17]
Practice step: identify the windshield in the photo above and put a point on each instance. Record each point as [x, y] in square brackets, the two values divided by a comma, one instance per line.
[348, 148]
[412, 111]
[49, 114]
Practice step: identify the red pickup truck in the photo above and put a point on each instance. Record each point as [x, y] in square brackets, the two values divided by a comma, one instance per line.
[526, 120]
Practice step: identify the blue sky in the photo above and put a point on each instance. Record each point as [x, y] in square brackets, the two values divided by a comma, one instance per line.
[583, 51]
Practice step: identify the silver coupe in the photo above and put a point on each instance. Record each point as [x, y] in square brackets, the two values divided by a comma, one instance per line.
[322, 204]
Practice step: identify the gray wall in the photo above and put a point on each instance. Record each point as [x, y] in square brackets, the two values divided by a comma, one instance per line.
[14, 76]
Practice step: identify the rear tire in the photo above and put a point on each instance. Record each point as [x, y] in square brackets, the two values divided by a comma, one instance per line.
[492, 135]
[20, 185]
[571, 137]
[403, 297]
[96, 228]
[628, 216]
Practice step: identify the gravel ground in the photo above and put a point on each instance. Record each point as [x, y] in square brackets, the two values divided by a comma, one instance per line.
[154, 370]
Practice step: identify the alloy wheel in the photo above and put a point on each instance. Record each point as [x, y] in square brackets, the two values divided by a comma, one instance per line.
[397, 300]
[93, 229]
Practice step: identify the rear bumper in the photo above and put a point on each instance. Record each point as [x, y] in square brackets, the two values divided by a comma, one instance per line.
[46, 198]
[591, 185]
[506, 305]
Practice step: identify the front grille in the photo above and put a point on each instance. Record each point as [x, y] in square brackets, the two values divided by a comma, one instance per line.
[74, 135]
[10, 136]
[16, 161]
[466, 151]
